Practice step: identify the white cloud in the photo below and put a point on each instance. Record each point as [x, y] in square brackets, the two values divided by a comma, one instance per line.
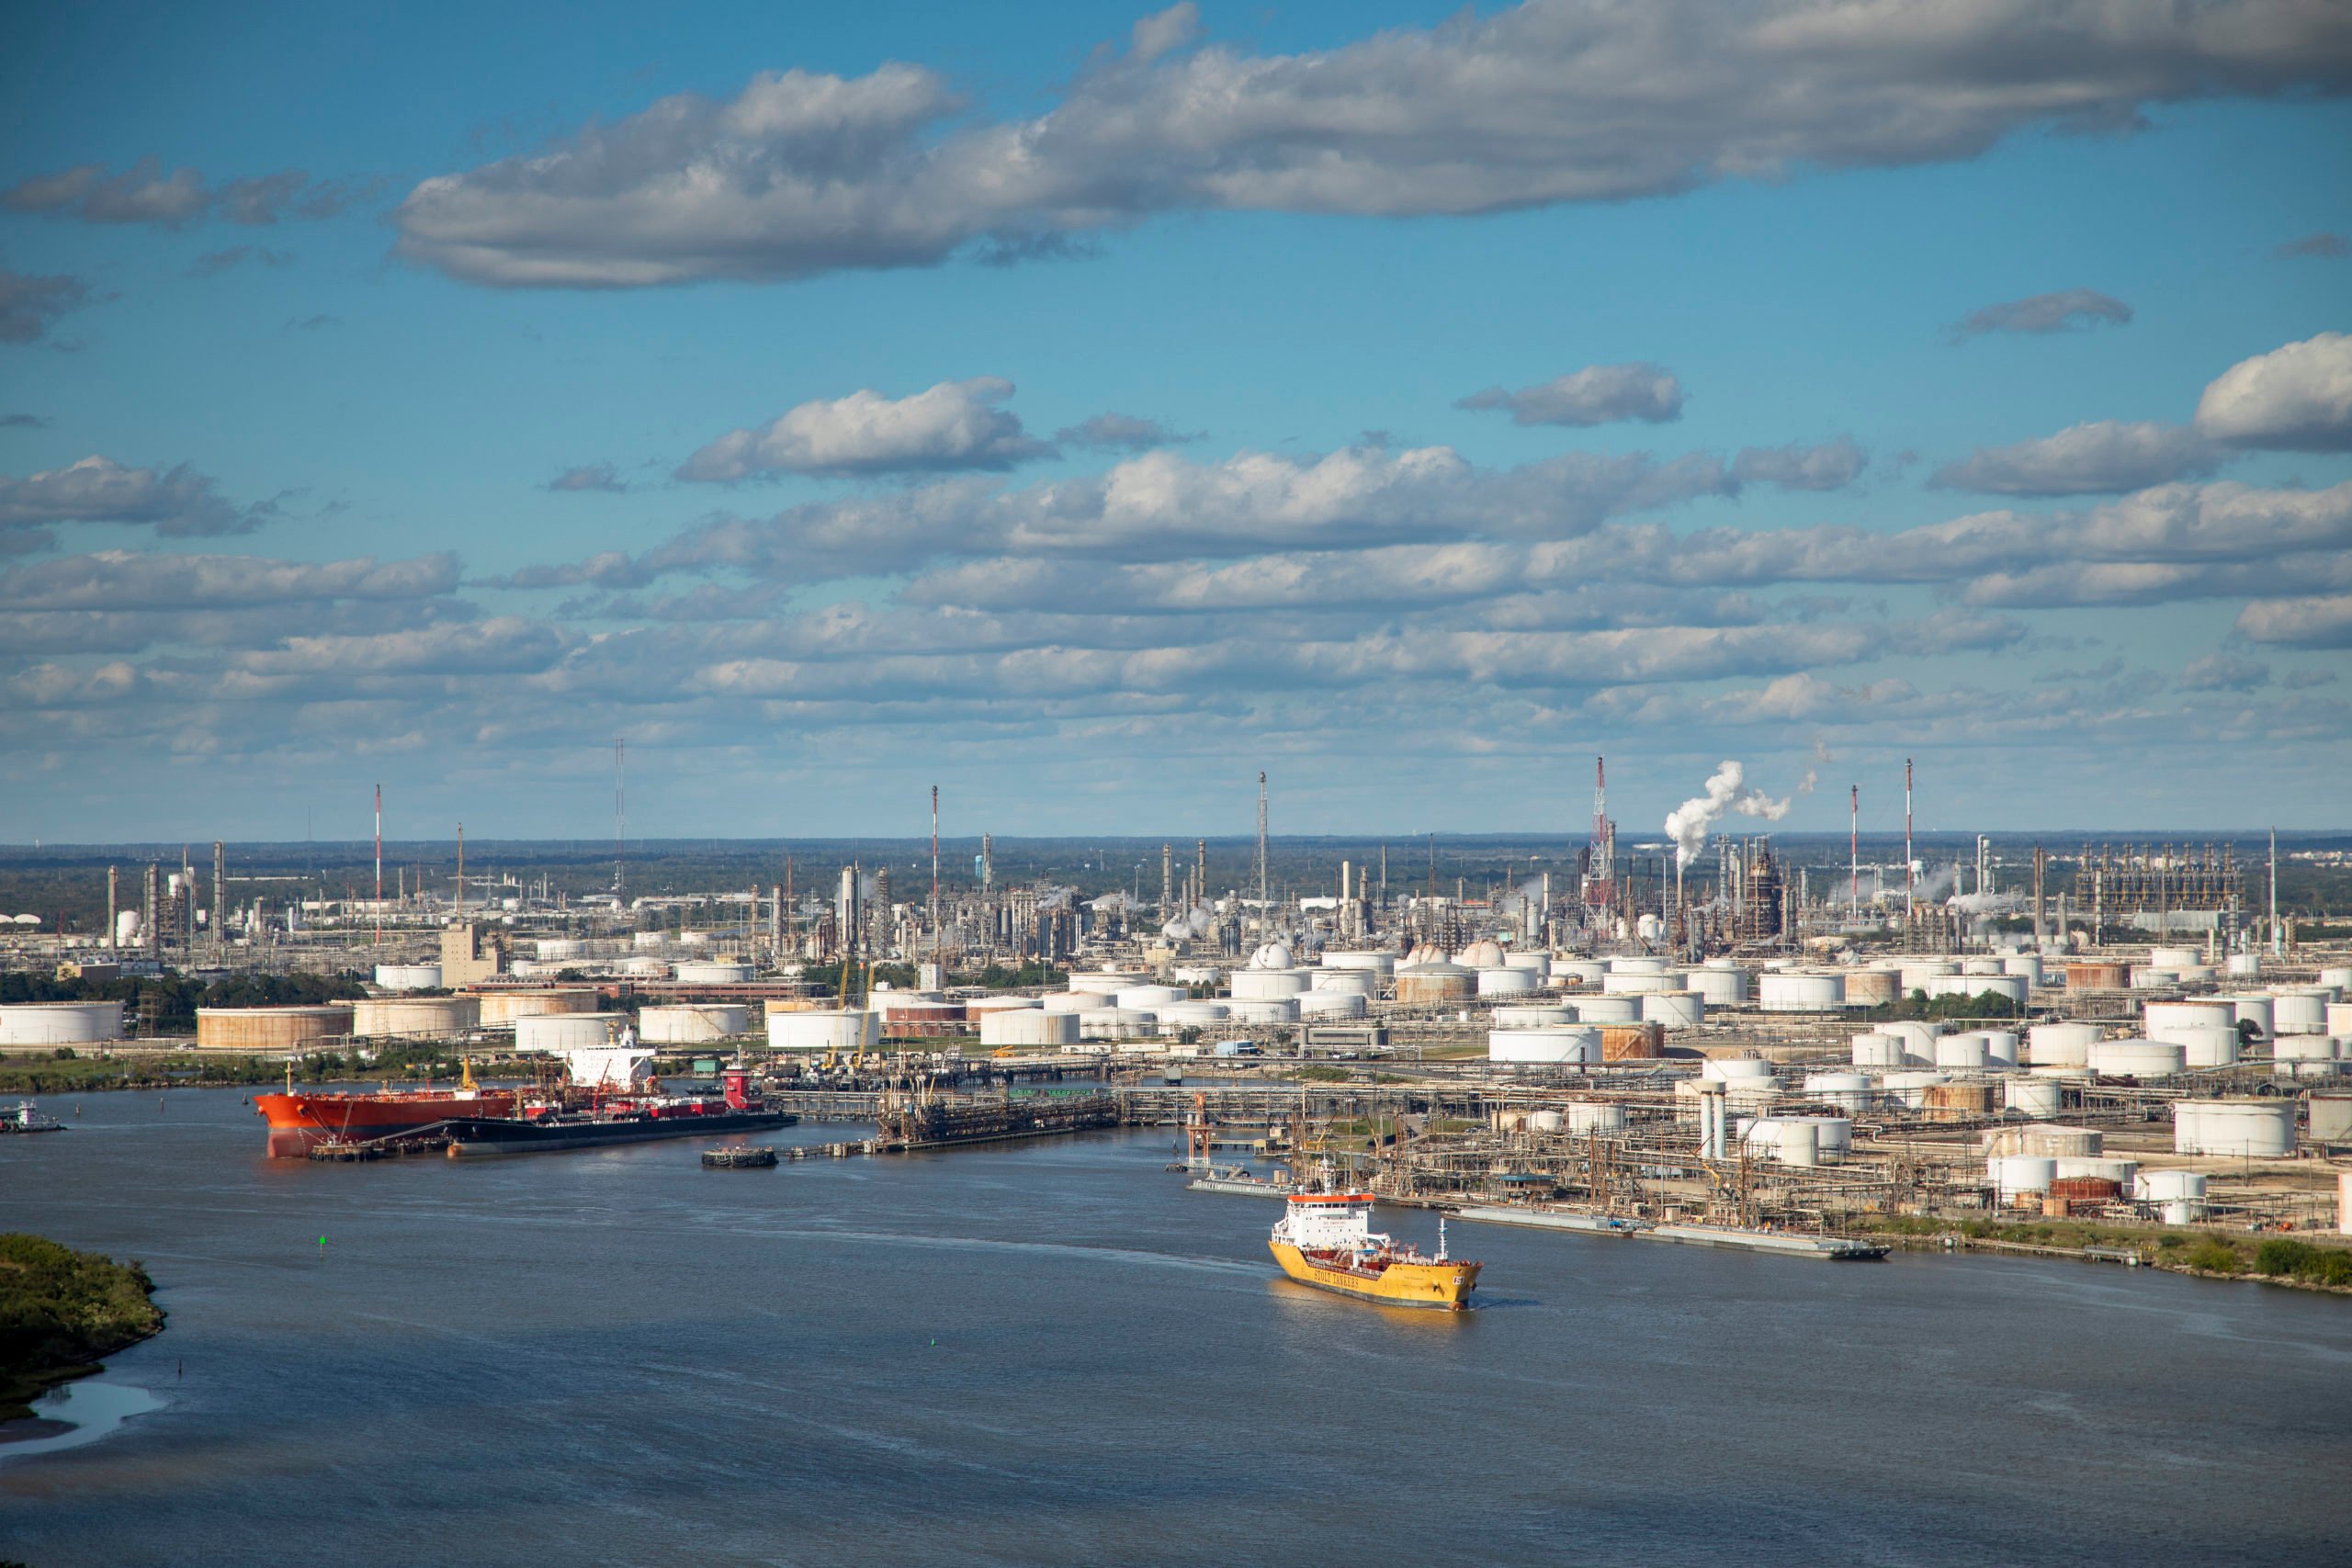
[1121, 433]
[1598, 394]
[2319, 621]
[2105, 457]
[98, 490]
[30, 303]
[143, 193]
[121, 579]
[2296, 399]
[589, 476]
[2063, 311]
[2225, 673]
[1833, 464]
[1551, 101]
[955, 424]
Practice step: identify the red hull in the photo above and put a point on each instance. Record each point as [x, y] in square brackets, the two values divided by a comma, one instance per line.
[298, 1123]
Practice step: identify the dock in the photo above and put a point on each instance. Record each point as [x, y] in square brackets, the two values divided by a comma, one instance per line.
[1550, 1220]
[1785, 1243]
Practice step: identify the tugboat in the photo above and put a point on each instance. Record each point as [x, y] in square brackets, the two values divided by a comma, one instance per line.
[1326, 1239]
[22, 1118]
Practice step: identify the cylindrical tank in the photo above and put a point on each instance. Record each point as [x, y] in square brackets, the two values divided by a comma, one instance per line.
[1545, 1121]
[1607, 1010]
[1848, 1091]
[2249, 1008]
[1916, 972]
[1028, 1026]
[1872, 987]
[2206, 1045]
[1798, 991]
[2164, 1186]
[2097, 976]
[2030, 1097]
[1264, 1010]
[1267, 985]
[1637, 982]
[2331, 1116]
[1578, 971]
[2300, 1011]
[975, 1006]
[2164, 1016]
[408, 977]
[1877, 1051]
[691, 1025]
[2148, 977]
[558, 947]
[559, 1032]
[2026, 965]
[1589, 1116]
[1507, 982]
[1374, 962]
[1536, 964]
[414, 1018]
[2135, 1058]
[1964, 1053]
[1330, 1004]
[2061, 1045]
[500, 1009]
[2339, 1019]
[1364, 983]
[271, 1029]
[2009, 987]
[713, 972]
[1117, 1023]
[1559, 1043]
[1421, 984]
[1077, 1001]
[60, 1023]
[648, 938]
[1815, 1138]
[1146, 998]
[2250, 1129]
[1910, 1089]
[1673, 1010]
[1734, 1069]
[1722, 985]
[2013, 1174]
[1917, 1040]
[1530, 1015]
[1631, 1042]
[1174, 1016]
[1111, 982]
[2172, 957]
[2343, 1202]
[2338, 975]
[854, 1029]
[1635, 964]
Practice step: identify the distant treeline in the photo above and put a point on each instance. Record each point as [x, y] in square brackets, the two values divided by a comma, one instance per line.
[167, 1005]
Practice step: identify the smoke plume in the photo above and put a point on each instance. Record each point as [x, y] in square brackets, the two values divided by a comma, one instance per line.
[1689, 824]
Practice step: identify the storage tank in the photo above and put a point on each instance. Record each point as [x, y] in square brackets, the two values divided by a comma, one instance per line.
[649, 940]
[1848, 1091]
[1263, 1010]
[1536, 964]
[1545, 1121]
[1174, 1016]
[1800, 991]
[1720, 985]
[2300, 1011]
[713, 972]
[976, 1006]
[2025, 965]
[1557, 1043]
[2239, 1129]
[2030, 1097]
[1736, 1069]
[637, 967]
[2135, 1058]
[1821, 1138]
[2338, 975]
[2097, 976]
[1607, 1010]
[1871, 988]
[1530, 1015]
[1264, 984]
[2061, 1045]
[408, 977]
[1909, 1089]
[692, 1024]
[2014, 1174]
[2242, 965]
[1330, 1004]
[2305, 1056]
[2172, 957]
[2163, 1018]
[1917, 1040]
[1631, 1042]
[1507, 982]
[1635, 964]
[1007, 1027]
[2250, 1008]
[1578, 971]
[500, 1009]
[847, 1029]
[1368, 961]
[1076, 1001]
[415, 1018]
[1673, 1010]
[2164, 1186]
[2000, 1048]
[2060, 1142]
[2009, 987]
[559, 1031]
[1146, 998]
[2205, 1045]
[2339, 1019]
[1364, 983]
[60, 1023]
[1961, 1053]
[557, 949]
[1111, 982]
[272, 1029]
[1637, 982]
[2148, 977]
[1117, 1023]
[1877, 1051]
[1423, 984]
[1916, 972]
[1587, 1117]
[2331, 1116]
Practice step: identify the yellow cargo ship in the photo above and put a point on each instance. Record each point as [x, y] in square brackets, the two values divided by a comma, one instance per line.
[1326, 1239]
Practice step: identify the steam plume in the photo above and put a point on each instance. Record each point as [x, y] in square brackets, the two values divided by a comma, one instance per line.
[1689, 824]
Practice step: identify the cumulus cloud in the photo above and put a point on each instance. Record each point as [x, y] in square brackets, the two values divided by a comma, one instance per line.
[145, 194]
[1120, 432]
[2321, 245]
[2318, 621]
[121, 579]
[589, 476]
[2296, 399]
[2225, 673]
[955, 424]
[1552, 101]
[2063, 311]
[28, 304]
[1833, 464]
[2104, 458]
[1598, 394]
[175, 502]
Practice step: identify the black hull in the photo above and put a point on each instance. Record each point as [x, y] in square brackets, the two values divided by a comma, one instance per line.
[471, 1137]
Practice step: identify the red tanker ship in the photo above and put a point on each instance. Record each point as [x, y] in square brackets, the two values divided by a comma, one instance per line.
[298, 1122]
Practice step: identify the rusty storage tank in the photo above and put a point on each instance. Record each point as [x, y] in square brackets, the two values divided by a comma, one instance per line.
[414, 1018]
[1426, 984]
[271, 1029]
[1958, 1101]
[2098, 976]
[501, 1009]
[1632, 1041]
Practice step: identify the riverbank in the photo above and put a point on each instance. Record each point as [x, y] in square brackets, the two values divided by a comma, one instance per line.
[2324, 1264]
[61, 1312]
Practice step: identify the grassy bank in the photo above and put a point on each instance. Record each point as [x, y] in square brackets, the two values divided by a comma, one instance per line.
[2284, 1260]
[61, 1311]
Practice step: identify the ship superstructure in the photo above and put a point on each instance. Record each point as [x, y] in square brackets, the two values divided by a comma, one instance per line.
[1326, 1239]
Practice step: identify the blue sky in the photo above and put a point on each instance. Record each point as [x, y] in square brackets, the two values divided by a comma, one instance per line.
[279, 515]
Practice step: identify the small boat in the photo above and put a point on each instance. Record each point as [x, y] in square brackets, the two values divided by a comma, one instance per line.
[1236, 1180]
[739, 1156]
[22, 1117]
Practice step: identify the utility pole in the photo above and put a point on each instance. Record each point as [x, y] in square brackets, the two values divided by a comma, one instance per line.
[461, 871]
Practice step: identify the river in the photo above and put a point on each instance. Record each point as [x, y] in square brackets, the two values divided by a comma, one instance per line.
[1049, 1352]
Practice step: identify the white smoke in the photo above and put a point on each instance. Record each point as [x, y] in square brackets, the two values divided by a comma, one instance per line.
[1935, 884]
[1689, 824]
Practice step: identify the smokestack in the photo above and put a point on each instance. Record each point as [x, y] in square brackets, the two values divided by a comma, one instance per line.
[1265, 915]
[1906, 840]
[113, 904]
[380, 865]
[934, 874]
[1854, 889]
[219, 900]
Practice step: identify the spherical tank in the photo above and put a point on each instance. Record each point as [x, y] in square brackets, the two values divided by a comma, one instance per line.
[60, 1023]
[271, 1029]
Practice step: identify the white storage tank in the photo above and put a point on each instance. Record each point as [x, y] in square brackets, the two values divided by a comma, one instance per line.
[415, 1018]
[1371, 962]
[1848, 1091]
[1263, 984]
[637, 966]
[1607, 1010]
[845, 1029]
[1587, 1117]
[648, 938]
[557, 1031]
[1635, 964]
[2339, 977]
[2026, 965]
[1364, 983]
[2163, 1018]
[1555, 1044]
[2206, 1045]
[1028, 1026]
[2037, 1098]
[1194, 1015]
[713, 972]
[1823, 1138]
[559, 949]
[1877, 1051]
[694, 1023]
[1580, 971]
[1722, 985]
[1263, 1010]
[1536, 964]
[1145, 998]
[1076, 1001]
[2239, 1129]
[2016, 1174]
[1507, 982]
[2135, 1058]
[408, 977]
[2000, 1047]
[1917, 1040]
[1637, 982]
[1909, 1089]
[2250, 1008]
[2242, 965]
[1674, 1009]
[1330, 1004]
[1961, 1053]
[1545, 1121]
[1800, 991]
[1115, 1023]
[2300, 1011]
[1917, 972]
[2306, 1056]
[1736, 1069]
[2061, 1045]
[1532, 1015]
[60, 1023]
[1111, 982]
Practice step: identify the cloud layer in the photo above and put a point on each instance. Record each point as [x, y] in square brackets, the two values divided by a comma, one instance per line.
[1598, 394]
[955, 424]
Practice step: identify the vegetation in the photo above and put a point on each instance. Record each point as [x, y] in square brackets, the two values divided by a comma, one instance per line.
[1920, 1007]
[60, 1312]
[2284, 1258]
[66, 1073]
[166, 1005]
